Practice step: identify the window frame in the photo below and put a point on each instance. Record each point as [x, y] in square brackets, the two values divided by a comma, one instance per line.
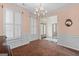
[4, 23]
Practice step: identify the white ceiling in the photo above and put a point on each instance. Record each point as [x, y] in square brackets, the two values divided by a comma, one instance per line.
[50, 7]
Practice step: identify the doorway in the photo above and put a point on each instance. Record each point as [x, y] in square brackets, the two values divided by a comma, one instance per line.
[43, 30]
[48, 29]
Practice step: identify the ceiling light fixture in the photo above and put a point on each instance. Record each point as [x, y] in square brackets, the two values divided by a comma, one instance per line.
[40, 11]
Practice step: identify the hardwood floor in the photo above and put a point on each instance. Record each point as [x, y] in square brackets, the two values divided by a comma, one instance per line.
[42, 48]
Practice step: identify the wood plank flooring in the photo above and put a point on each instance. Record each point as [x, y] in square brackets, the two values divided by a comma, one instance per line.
[42, 48]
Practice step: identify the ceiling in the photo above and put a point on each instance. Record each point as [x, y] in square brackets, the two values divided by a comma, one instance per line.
[50, 7]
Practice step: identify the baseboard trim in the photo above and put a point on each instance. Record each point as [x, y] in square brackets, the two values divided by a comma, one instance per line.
[68, 47]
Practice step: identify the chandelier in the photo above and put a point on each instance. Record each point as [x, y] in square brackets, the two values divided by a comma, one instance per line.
[40, 11]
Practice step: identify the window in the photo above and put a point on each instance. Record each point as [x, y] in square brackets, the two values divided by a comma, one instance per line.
[33, 26]
[17, 25]
[12, 23]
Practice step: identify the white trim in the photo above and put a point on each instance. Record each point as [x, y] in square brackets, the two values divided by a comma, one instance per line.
[68, 46]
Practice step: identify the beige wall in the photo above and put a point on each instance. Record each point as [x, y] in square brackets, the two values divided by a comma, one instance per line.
[70, 12]
[26, 23]
[24, 12]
